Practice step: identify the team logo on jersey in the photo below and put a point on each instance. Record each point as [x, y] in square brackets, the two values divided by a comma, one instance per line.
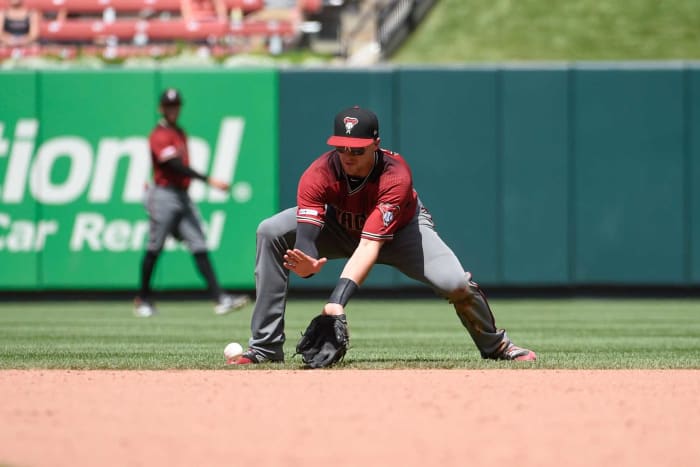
[389, 212]
[350, 123]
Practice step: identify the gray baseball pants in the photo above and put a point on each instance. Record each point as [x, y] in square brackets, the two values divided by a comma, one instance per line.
[171, 211]
[416, 250]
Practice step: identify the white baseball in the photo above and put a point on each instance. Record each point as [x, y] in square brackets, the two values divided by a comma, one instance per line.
[233, 350]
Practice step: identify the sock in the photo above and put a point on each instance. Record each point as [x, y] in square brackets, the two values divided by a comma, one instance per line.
[147, 266]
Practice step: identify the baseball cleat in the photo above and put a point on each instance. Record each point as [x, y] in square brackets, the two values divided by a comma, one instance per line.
[143, 308]
[229, 303]
[513, 352]
[250, 357]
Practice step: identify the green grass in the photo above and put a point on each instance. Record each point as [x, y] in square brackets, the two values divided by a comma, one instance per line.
[458, 31]
[577, 334]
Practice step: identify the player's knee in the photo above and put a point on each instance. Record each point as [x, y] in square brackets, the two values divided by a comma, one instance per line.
[462, 290]
[155, 248]
[266, 229]
[271, 228]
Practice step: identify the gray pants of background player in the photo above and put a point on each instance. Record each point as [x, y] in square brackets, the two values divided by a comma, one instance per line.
[171, 211]
[416, 251]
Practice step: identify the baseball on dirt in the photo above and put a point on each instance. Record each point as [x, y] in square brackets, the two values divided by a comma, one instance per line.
[233, 351]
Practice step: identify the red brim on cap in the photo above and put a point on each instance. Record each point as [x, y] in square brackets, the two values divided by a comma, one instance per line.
[349, 142]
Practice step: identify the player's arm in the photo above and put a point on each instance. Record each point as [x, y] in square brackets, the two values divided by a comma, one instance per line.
[379, 228]
[302, 259]
[175, 165]
[170, 159]
[354, 274]
[363, 258]
[34, 26]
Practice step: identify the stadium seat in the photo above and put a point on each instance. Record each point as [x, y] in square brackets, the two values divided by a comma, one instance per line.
[97, 6]
[128, 51]
[79, 30]
[265, 28]
[311, 6]
[178, 29]
[129, 35]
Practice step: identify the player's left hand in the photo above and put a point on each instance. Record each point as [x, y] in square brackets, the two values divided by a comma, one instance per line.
[302, 264]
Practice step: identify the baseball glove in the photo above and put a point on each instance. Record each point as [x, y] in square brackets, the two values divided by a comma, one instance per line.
[325, 341]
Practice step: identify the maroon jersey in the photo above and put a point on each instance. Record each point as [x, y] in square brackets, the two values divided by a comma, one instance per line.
[376, 209]
[168, 142]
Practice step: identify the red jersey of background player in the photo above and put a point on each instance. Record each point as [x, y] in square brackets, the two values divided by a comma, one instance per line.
[167, 142]
[375, 209]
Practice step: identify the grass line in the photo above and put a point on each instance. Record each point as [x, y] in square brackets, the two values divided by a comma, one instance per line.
[573, 334]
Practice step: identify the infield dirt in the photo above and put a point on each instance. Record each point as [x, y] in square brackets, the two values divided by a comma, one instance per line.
[350, 418]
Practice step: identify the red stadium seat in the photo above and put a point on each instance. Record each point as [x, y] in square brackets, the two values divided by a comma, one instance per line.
[268, 28]
[80, 30]
[96, 6]
[246, 5]
[172, 30]
[88, 30]
[126, 51]
[311, 6]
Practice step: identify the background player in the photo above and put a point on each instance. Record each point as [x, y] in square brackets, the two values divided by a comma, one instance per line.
[357, 201]
[171, 211]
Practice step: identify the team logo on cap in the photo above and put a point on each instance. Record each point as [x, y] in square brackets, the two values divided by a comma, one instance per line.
[350, 123]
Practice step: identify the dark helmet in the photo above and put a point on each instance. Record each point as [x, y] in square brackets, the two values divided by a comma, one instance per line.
[171, 96]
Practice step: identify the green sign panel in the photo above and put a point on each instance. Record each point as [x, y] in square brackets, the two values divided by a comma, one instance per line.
[77, 163]
[21, 234]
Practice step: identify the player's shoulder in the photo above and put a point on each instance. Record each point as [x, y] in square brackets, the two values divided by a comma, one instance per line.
[166, 132]
[394, 171]
[393, 159]
[159, 129]
[391, 154]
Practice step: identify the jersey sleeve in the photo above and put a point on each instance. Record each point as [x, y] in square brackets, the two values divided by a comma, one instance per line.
[163, 146]
[395, 196]
[311, 199]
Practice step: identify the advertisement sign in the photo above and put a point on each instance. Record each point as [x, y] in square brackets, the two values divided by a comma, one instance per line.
[76, 164]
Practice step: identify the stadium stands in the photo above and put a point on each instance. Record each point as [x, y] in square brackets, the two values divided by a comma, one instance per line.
[146, 27]
[98, 6]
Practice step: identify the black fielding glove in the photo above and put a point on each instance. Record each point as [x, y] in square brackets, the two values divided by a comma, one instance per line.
[325, 341]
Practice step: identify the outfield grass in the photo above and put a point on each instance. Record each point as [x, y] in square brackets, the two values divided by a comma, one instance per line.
[458, 31]
[385, 334]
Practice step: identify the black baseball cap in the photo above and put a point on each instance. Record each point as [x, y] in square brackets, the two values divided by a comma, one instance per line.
[171, 96]
[354, 127]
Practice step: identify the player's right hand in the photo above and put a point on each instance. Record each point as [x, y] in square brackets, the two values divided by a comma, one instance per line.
[303, 264]
[216, 183]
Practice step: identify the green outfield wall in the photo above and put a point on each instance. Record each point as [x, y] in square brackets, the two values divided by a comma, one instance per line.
[560, 176]
[569, 175]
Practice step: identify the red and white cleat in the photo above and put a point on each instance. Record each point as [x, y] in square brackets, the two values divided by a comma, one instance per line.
[513, 352]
